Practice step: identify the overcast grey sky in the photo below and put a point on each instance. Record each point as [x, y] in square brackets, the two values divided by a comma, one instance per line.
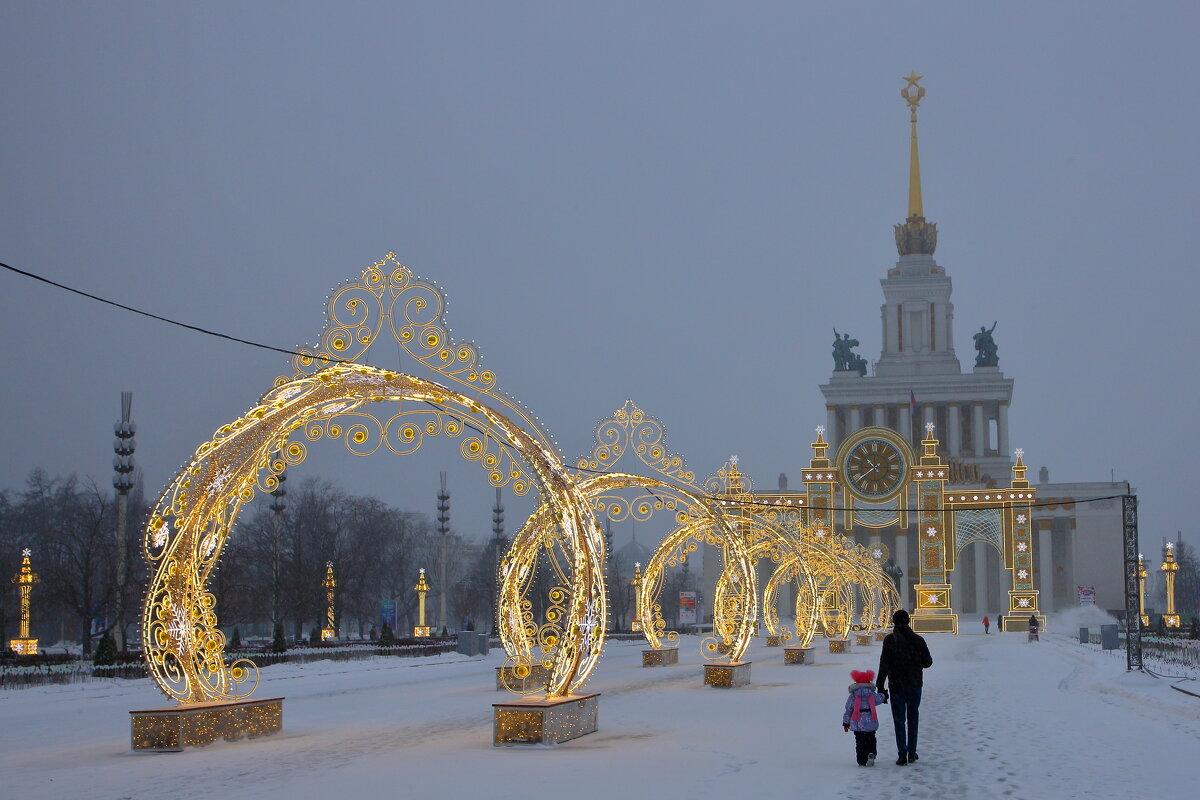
[672, 202]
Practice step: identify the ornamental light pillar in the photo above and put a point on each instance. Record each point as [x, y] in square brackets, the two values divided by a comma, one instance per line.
[1141, 576]
[1169, 568]
[421, 631]
[25, 579]
[636, 583]
[329, 632]
[123, 466]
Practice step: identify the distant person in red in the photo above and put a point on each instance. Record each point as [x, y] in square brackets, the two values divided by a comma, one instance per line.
[985, 624]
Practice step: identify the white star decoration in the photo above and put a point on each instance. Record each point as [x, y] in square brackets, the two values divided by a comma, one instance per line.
[920, 474]
[1019, 452]
[733, 460]
[820, 533]
[929, 428]
[941, 473]
[931, 533]
[1022, 574]
[1021, 518]
[1022, 546]
[329, 564]
[820, 430]
[876, 553]
[1170, 545]
[828, 476]
[26, 552]
[1023, 602]
[933, 599]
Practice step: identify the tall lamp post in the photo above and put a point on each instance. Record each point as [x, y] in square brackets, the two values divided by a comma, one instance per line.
[277, 507]
[443, 529]
[498, 548]
[123, 465]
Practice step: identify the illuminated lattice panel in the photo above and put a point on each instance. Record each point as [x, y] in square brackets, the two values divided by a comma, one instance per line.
[660, 657]
[727, 676]
[543, 721]
[510, 677]
[195, 725]
[839, 645]
[880, 635]
[1171, 620]
[863, 639]
[799, 655]
[774, 641]
[422, 631]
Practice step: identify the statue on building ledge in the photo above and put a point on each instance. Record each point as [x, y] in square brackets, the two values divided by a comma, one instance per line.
[986, 348]
[844, 359]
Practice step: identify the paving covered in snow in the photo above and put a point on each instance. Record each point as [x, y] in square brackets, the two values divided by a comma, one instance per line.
[1001, 718]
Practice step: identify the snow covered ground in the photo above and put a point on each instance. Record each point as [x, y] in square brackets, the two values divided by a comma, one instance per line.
[1001, 718]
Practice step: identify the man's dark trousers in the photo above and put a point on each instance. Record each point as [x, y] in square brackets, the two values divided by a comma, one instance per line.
[906, 704]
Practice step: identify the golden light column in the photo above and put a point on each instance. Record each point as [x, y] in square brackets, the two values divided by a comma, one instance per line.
[636, 583]
[1169, 568]
[329, 632]
[1142, 592]
[25, 579]
[421, 631]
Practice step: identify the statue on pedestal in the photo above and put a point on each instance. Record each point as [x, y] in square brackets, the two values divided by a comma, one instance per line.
[985, 347]
[844, 359]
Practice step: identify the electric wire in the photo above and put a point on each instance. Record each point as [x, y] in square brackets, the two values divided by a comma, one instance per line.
[327, 359]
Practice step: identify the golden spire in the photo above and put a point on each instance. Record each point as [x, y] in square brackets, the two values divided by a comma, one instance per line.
[915, 236]
[912, 94]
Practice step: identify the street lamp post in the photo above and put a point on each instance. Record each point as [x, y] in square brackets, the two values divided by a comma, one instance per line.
[278, 507]
[443, 529]
[123, 465]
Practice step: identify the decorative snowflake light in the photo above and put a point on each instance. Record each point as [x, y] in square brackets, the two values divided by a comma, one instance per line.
[733, 460]
[820, 430]
[590, 622]
[1019, 452]
[1022, 546]
[180, 628]
[1022, 574]
[26, 553]
[1021, 518]
[931, 532]
[1023, 602]
[929, 428]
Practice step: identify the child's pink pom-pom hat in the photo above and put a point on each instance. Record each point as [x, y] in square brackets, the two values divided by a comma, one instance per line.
[862, 676]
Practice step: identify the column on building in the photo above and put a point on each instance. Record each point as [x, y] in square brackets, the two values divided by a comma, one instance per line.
[1045, 545]
[831, 431]
[954, 435]
[930, 415]
[891, 333]
[855, 420]
[978, 431]
[901, 556]
[904, 417]
[981, 578]
[880, 420]
[1002, 429]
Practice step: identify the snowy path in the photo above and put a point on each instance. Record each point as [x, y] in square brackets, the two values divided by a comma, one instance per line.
[1001, 719]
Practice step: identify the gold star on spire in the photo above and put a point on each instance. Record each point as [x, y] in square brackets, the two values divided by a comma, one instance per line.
[913, 78]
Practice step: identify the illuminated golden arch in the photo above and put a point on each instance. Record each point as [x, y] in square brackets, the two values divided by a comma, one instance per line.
[699, 518]
[187, 531]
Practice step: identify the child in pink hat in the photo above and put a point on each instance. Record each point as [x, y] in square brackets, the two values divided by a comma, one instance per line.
[861, 717]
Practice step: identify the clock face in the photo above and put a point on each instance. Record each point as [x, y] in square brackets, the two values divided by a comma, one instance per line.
[874, 469]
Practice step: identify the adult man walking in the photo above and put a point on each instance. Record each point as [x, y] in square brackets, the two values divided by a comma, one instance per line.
[904, 657]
